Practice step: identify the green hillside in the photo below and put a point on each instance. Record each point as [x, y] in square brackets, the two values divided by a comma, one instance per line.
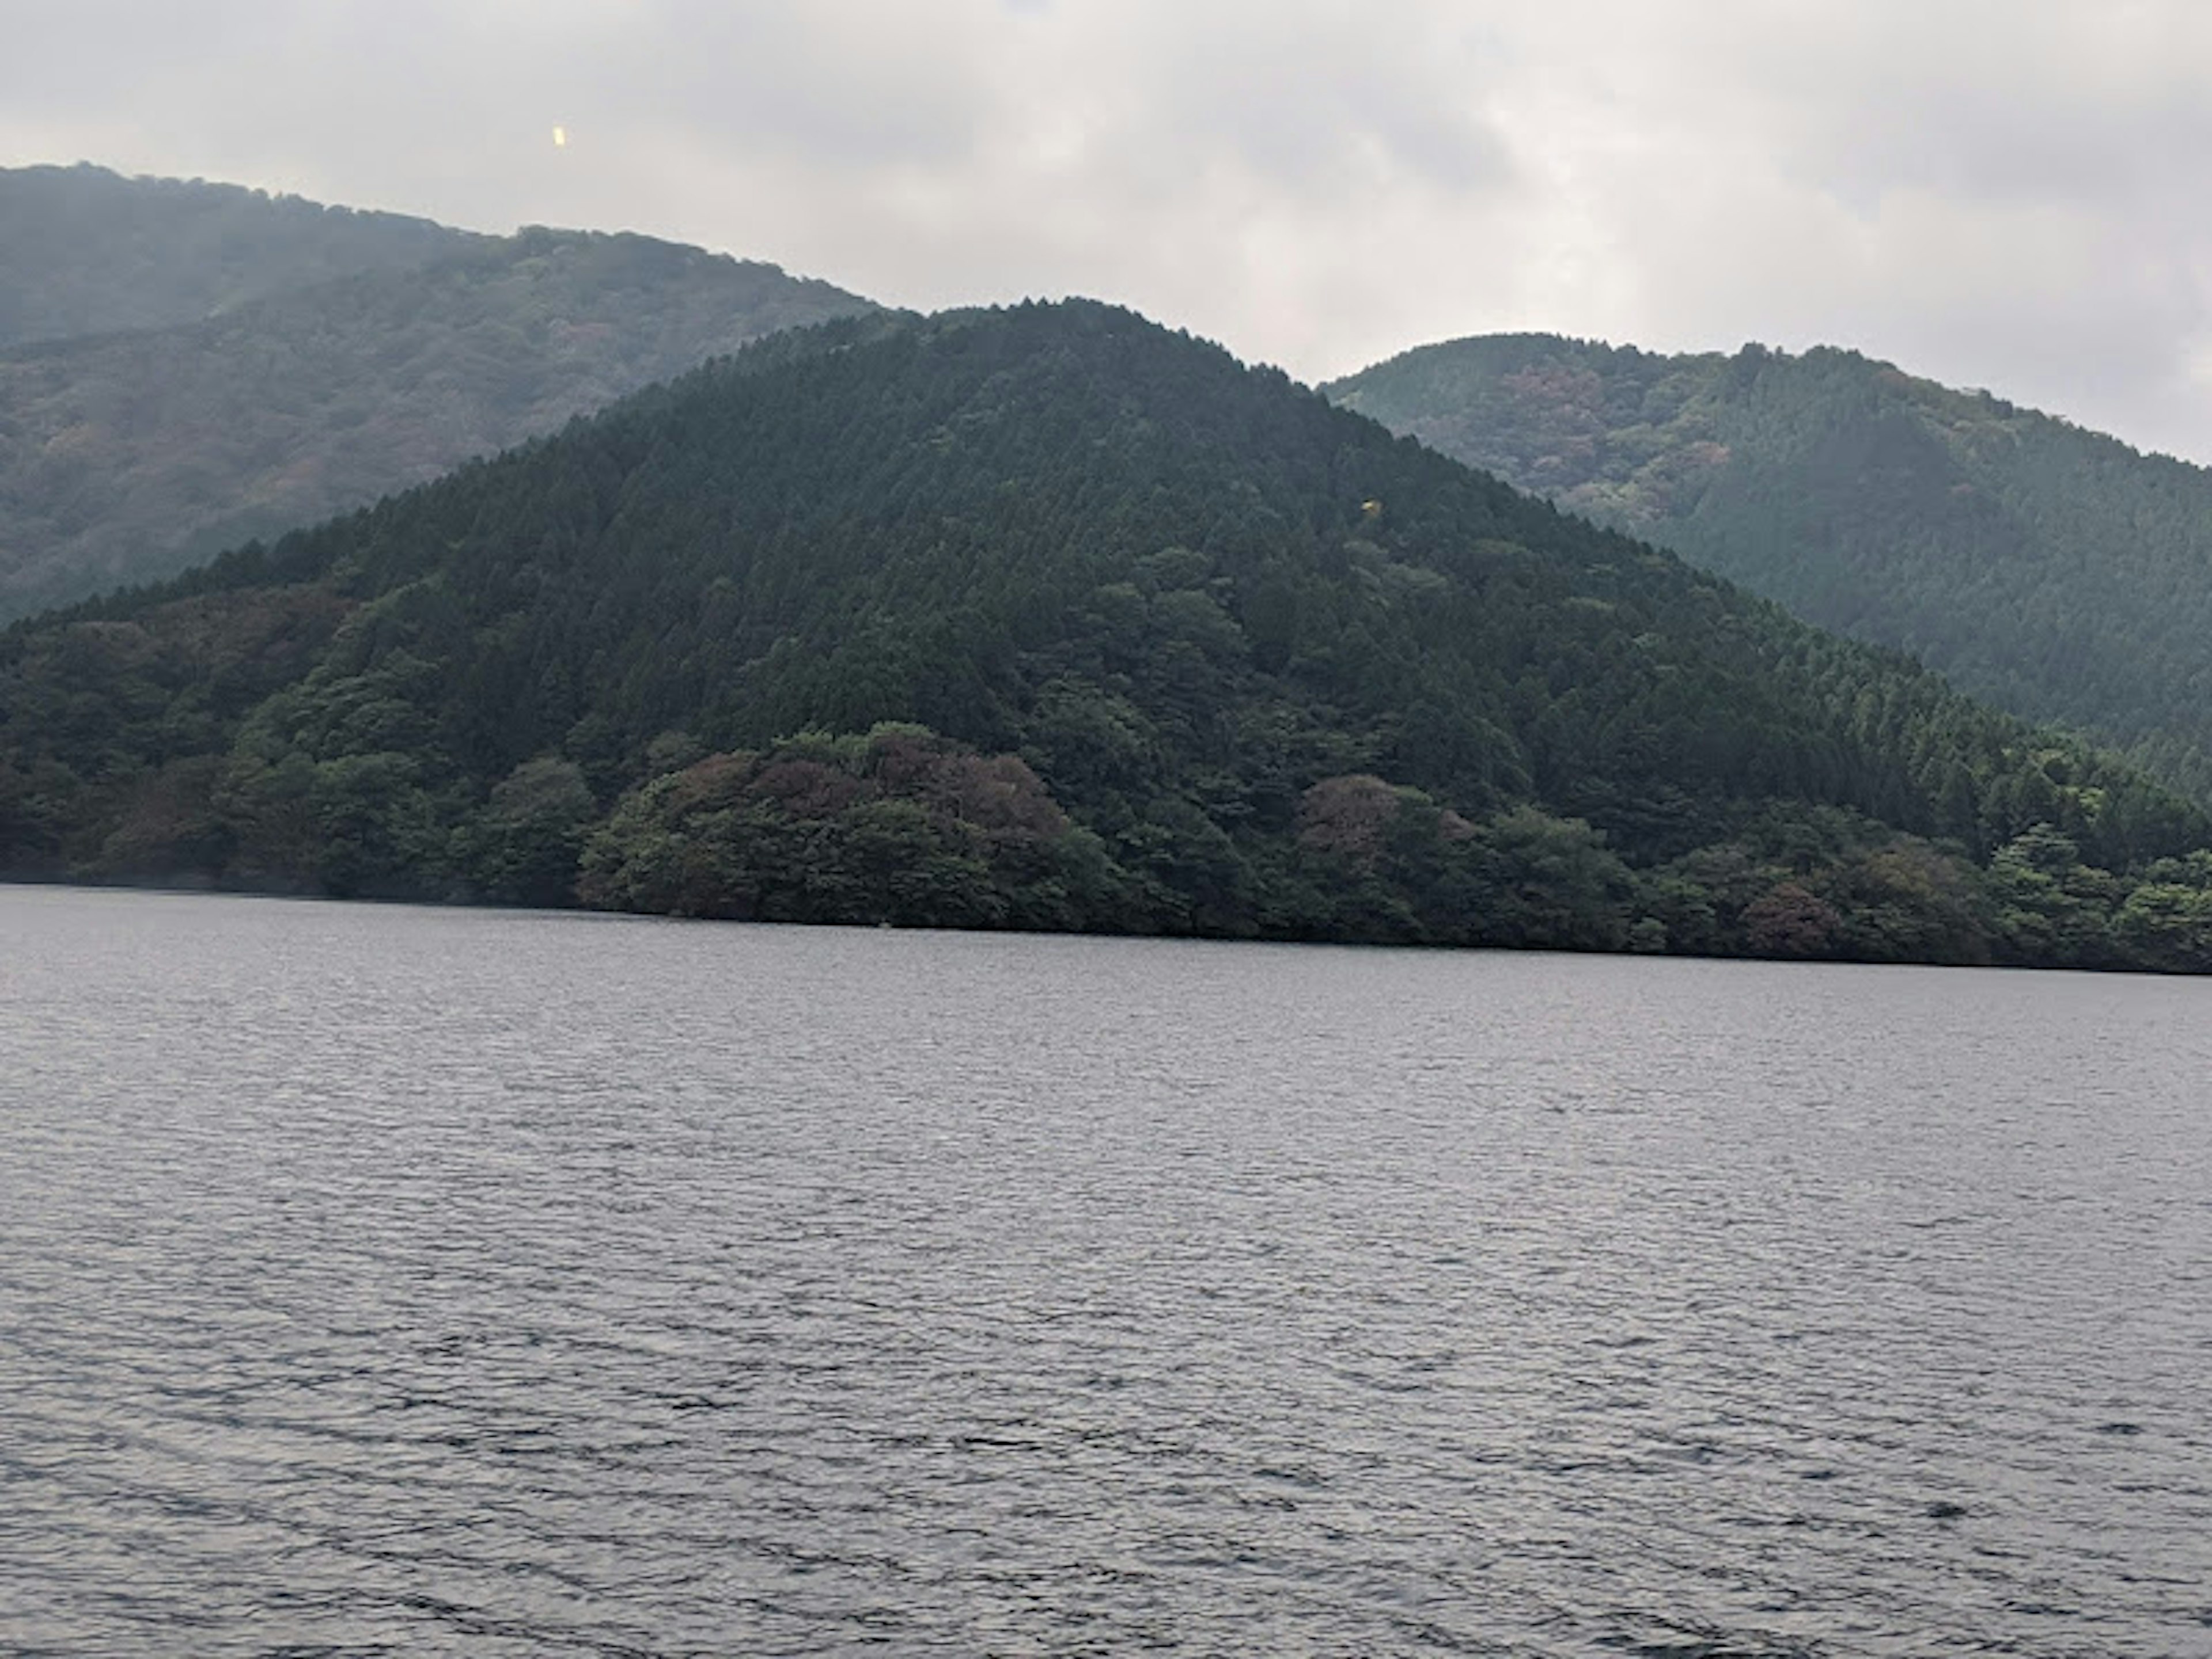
[2055, 572]
[1050, 617]
[126, 458]
[84, 251]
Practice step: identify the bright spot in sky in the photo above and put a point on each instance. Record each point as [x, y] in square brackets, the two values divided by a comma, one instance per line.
[560, 137]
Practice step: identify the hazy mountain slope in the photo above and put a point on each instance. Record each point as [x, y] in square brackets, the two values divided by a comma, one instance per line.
[2055, 571]
[85, 251]
[1200, 653]
[126, 458]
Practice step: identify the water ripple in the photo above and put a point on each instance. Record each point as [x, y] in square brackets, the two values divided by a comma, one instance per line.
[381, 1281]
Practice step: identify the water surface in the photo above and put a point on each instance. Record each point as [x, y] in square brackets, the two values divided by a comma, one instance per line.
[399, 1281]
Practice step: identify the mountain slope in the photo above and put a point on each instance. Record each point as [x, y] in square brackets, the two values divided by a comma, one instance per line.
[126, 458]
[2056, 572]
[85, 251]
[1163, 643]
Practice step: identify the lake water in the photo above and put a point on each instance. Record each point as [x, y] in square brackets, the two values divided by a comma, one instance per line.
[400, 1281]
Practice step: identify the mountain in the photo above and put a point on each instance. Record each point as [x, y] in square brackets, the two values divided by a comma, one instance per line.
[84, 251]
[1049, 617]
[125, 458]
[2055, 572]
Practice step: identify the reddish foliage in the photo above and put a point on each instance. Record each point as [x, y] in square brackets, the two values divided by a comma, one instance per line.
[1347, 814]
[998, 794]
[1789, 920]
[717, 782]
[809, 789]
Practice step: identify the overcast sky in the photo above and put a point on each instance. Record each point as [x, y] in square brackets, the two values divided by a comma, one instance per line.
[2004, 195]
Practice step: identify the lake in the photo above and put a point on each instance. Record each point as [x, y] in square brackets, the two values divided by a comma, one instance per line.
[383, 1280]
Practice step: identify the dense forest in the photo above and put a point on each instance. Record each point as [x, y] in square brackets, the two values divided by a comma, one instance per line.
[126, 457]
[1050, 617]
[2057, 573]
[85, 251]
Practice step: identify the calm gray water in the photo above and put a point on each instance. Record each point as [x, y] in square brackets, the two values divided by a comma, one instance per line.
[400, 1281]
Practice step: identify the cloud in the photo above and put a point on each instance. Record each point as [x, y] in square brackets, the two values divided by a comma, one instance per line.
[2003, 196]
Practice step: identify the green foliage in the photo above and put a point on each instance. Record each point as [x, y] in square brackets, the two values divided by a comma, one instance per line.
[2167, 923]
[898, 827]
[522, 846]
[2054, 571]
[1051, 618]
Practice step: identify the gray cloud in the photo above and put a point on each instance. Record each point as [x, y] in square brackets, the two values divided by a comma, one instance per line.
[1995, 195]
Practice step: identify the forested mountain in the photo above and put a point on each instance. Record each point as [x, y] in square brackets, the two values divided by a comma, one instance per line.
[1050, 617]
[2057, 573]
[128, 457]
[84, 251]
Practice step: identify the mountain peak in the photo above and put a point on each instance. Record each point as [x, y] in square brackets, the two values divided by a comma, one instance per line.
[2056, 571]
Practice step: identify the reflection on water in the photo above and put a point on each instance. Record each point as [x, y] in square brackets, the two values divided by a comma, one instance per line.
[384, 1280]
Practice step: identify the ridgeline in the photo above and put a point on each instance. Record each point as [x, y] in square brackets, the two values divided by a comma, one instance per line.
[85, 251]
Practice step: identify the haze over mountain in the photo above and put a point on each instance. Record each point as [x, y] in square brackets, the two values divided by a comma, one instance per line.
[126, 455]
[2007, 197]
[2055, 571]
[86, 250]
[1167, 643]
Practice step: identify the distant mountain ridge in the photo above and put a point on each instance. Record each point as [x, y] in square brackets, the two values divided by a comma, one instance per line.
[1051, 618]
[87, 250]
[125, 456]
[2054, 570]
